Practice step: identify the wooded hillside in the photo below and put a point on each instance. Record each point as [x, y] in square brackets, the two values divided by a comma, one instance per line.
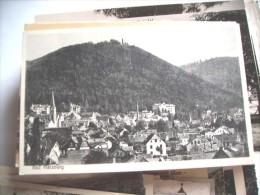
[110, 77]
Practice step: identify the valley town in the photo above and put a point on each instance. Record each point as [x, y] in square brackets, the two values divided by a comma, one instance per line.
[157, 135]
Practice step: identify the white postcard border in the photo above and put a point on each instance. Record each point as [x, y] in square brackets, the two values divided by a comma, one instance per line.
[145, 166]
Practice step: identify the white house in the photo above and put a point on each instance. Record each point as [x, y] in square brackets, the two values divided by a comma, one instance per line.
[41, 108]
[221, 130]
[75, 108]
[184, 139]
[209, 134]
[52, 153]
[104, 145]
[155, 146]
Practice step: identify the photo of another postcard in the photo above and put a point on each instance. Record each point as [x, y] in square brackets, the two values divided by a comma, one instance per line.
[124, 98]
[203, 11]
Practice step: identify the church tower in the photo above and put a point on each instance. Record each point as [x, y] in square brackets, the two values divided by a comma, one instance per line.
[53, 109]
[137, 110]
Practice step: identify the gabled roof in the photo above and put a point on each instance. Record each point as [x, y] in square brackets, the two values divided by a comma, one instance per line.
[162, 135]
[227, 138]
[62, 135]
[151, 137]
[203, 140]
[137, 139]
[73, 115]
[115, 149]
[137, 159]
[47, 144]
[222, 127]
[221, 154]
[108, 135]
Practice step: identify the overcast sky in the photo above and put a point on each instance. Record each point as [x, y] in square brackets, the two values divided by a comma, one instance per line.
[177, 42]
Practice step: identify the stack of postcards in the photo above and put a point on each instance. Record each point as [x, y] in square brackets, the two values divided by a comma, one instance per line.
[159, 99]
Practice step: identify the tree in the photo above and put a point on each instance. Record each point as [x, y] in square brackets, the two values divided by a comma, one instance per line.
[250, 179]
[125, 136]
[79, 138]
[152, 125]
[159, 112]
[92, 125]
[130, 12]
[141, 125]
[173, 123]
[111, 122]
[35, 153]
[94, 157]
[162, 126]
[170, 117]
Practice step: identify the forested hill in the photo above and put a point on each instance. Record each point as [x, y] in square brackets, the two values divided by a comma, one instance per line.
[222, 71]
[110, 77]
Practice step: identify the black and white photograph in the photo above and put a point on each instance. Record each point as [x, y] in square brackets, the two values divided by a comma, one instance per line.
[201, 11]
[149, 9]
[134, 97]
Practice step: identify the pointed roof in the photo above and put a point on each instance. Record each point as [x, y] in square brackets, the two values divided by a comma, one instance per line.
[221, 154]
[151, 137]
[181, 190]
[52, 100]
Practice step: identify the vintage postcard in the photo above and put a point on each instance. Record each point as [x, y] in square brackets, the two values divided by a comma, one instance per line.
[214, 176]
[131, 11]
[118, 183]
[127, 98]
[201, 11]
[131, 182]
[8, 187]
[175, 187]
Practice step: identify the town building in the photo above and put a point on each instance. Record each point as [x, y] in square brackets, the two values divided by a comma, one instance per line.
[75, 108]
[51, 152]
[164, 108]
[155, 146]
[40, 109]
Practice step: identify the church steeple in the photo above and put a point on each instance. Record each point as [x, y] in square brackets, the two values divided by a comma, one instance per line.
[137, 110]
[53, 108]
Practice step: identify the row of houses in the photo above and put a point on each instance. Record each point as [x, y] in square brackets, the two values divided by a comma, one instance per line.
[75, 116]
[72, 131]
[144, 146]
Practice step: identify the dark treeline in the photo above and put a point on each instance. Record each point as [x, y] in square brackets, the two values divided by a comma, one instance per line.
[130, 12]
